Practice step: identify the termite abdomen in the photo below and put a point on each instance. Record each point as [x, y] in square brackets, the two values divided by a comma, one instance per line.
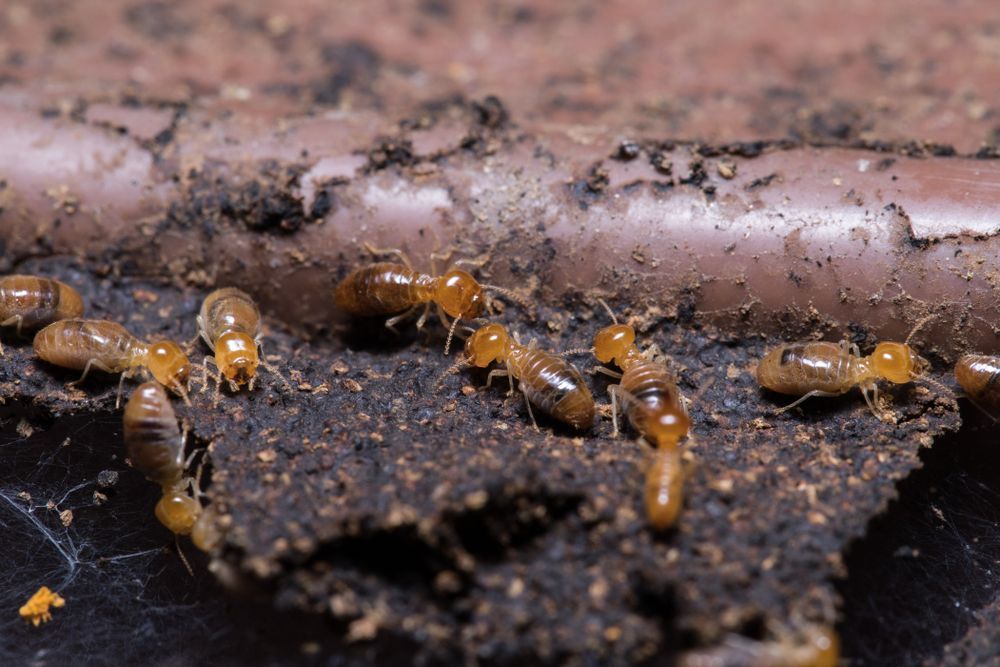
[152, 437]
[28, 302]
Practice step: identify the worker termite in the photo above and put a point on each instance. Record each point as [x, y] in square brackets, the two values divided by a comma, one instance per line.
[814, 646]
[109, 347]
[27, 302]
[546, 380]
[386, 288]
[979, 378]
[821, 368]
[155, 447]
[653, 405]
[229, 322]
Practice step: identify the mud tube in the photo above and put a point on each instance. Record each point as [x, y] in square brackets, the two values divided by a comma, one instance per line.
[777, 237]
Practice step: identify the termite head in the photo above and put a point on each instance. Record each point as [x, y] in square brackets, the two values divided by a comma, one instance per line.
[236, 356]
[897, 362]
[460, 295]
[613, 342]
[168, 364]
[488, 344]
[178, 511]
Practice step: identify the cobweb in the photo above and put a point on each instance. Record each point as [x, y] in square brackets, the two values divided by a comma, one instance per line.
[923, 569]
[129, 598]
[65, 526]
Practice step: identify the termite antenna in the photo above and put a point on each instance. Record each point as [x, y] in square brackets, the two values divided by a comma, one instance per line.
[944, 390]
[976, 405]
[916, 327]
[607, 308]
[183, 393]
[510, 294]
[451, 334]
[461, 363]
[576, 350]
[180, 552]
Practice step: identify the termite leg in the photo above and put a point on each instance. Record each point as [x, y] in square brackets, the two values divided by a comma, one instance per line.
[391, 323]
[613, 390]
[530, 413]
[121, 383]
[443, 255]
[10, 322]
[607, 371]
[422, 320]
[814, 392]
[204, 372]
[389, 251]
[99, 365]
[872, 404]
[500, 373]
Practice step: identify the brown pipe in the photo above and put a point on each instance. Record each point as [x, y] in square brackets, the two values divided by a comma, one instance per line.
[790, 240]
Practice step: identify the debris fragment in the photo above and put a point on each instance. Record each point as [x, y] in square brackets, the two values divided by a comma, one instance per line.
[36, 609]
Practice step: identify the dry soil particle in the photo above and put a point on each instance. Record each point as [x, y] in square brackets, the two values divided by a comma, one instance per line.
[439, 515]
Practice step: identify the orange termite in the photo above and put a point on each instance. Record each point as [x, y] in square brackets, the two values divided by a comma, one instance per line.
[547, 380]
[229, 322]
[815, 646]
[387, 288]
[979, 377]
[653, 405]
[28, 302]
[109, 347]
[155, 447]
[830, 369]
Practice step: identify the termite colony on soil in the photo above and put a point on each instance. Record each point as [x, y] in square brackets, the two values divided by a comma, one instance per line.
[229, 322]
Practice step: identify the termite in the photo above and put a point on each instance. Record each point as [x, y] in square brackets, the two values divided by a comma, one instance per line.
[547, 380]
[822, 368]
[979, 378]
[229, 322]
[815, 646]
[28, 302]
[155, 446]
[653, 405]
[109, 347]
[387, 288]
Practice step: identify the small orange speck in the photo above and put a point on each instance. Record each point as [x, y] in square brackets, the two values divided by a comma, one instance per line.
[36, 609]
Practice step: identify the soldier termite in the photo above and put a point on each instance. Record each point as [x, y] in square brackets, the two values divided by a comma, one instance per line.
[547, 380]
[821, 368]
[28, 302]
[229, 322]
[109, 347]
[387, 288]
[155, 447]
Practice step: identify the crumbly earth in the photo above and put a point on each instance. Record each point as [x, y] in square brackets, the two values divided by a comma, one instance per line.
[435, 513]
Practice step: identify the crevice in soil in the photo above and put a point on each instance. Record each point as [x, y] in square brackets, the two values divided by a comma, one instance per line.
[925, 566]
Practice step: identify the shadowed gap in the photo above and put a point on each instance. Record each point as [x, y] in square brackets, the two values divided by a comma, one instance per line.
[928, 563]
